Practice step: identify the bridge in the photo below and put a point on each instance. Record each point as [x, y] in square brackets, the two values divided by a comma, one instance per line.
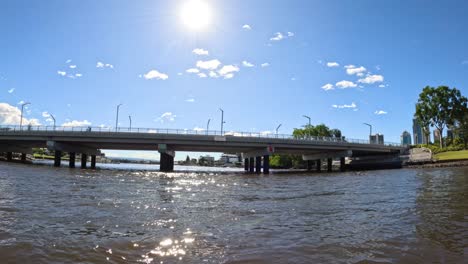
[256, 148]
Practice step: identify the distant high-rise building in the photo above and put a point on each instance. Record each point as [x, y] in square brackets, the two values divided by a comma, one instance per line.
[406, 138]
[377, 139]
[436, 135]
[418, 133]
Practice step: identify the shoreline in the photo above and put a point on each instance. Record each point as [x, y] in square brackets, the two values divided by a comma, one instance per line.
[438, 164]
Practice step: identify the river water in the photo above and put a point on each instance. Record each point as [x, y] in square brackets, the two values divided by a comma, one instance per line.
[60, 215]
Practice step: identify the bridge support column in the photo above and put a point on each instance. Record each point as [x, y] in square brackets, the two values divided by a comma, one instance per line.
[329, 164]
[23, 157]
[342, 164]
[266, 164]
[57, 158]
[93, 162]
[246, 164]
[251, 165]
[258, 164]
[9, 156]
[84, 159]
[309, 165]
[166, 162]
[319, 165]
[71, 162]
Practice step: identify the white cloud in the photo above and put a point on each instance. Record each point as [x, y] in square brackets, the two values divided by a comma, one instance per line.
[213, 74]
[72, 66]
[202, 75]
[76, 123]
[290, 34]
[382, 86]
[208, 65]
[198, 129]
[247, 27]
[11, 115]
[193, 70]
[332, 64]
[278, 36]
[352, 106]
[247, 64]
[229, 76]
[45, 114]
[154, 74]
[226, 69]
[62, 73]
[370, 79]
[199, 51]
[78, 75]
[68, 61]
[11, 90]
[104, 65]
[167, 117]
[345, 84]
[190, 100]
[328, 87]
[380, 112]
[266, 64]
[351, 69]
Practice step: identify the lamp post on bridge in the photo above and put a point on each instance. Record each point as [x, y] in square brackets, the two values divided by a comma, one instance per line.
[208, 126]
[117, 117]
[310, 124]
[22, 108]
[130, 118]
[277, 128]
[53, 118]
[222, 120]
[370, 132]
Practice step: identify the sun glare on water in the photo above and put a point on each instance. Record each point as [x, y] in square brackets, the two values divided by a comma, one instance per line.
[196, 14]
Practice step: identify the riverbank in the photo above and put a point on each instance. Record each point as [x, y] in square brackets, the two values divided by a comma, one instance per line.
[440, 164]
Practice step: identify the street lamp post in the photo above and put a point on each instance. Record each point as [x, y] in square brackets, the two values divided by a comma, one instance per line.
[222, 120]
[117, 117]
[309, 119]
[130, 118]
[53, 118]
[277, 128]
[370, 132]
[21, 119]
[208, 126]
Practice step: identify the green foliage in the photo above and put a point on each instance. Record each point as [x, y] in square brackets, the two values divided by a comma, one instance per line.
[439, 107]
[316, 131]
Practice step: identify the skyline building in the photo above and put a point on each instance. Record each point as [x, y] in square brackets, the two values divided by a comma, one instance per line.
[405, 138]
[418, 133]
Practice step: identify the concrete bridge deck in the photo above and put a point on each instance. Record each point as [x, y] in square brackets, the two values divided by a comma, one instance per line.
[90, 140]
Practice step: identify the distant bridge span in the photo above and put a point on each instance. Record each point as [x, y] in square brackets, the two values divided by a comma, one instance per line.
[90, 140]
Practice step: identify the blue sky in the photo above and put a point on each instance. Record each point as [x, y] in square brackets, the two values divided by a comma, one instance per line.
[79, 59]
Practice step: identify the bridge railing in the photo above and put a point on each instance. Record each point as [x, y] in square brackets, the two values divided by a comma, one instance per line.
[103, 129]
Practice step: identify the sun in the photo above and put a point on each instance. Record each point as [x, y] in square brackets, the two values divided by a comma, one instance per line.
[196, 14]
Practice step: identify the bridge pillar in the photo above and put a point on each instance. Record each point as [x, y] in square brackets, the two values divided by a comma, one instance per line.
[23, 157]
[9, 156]
[71, 162]
[266, 164]
[93, 162]
[246, 164]
[319, 165]
[166, 162]
[258, 164]
[329, 164]
[342, 164]
[57, 158]
[309, 165]
[251, 164]
[84, 158]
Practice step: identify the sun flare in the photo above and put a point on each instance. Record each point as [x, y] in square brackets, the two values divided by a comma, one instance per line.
[196, 14]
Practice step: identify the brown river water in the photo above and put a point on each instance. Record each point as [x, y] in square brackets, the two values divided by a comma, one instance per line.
[58, 215]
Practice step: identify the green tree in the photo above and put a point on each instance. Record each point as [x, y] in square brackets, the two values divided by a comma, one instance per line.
[440, 107]
[461, 126]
